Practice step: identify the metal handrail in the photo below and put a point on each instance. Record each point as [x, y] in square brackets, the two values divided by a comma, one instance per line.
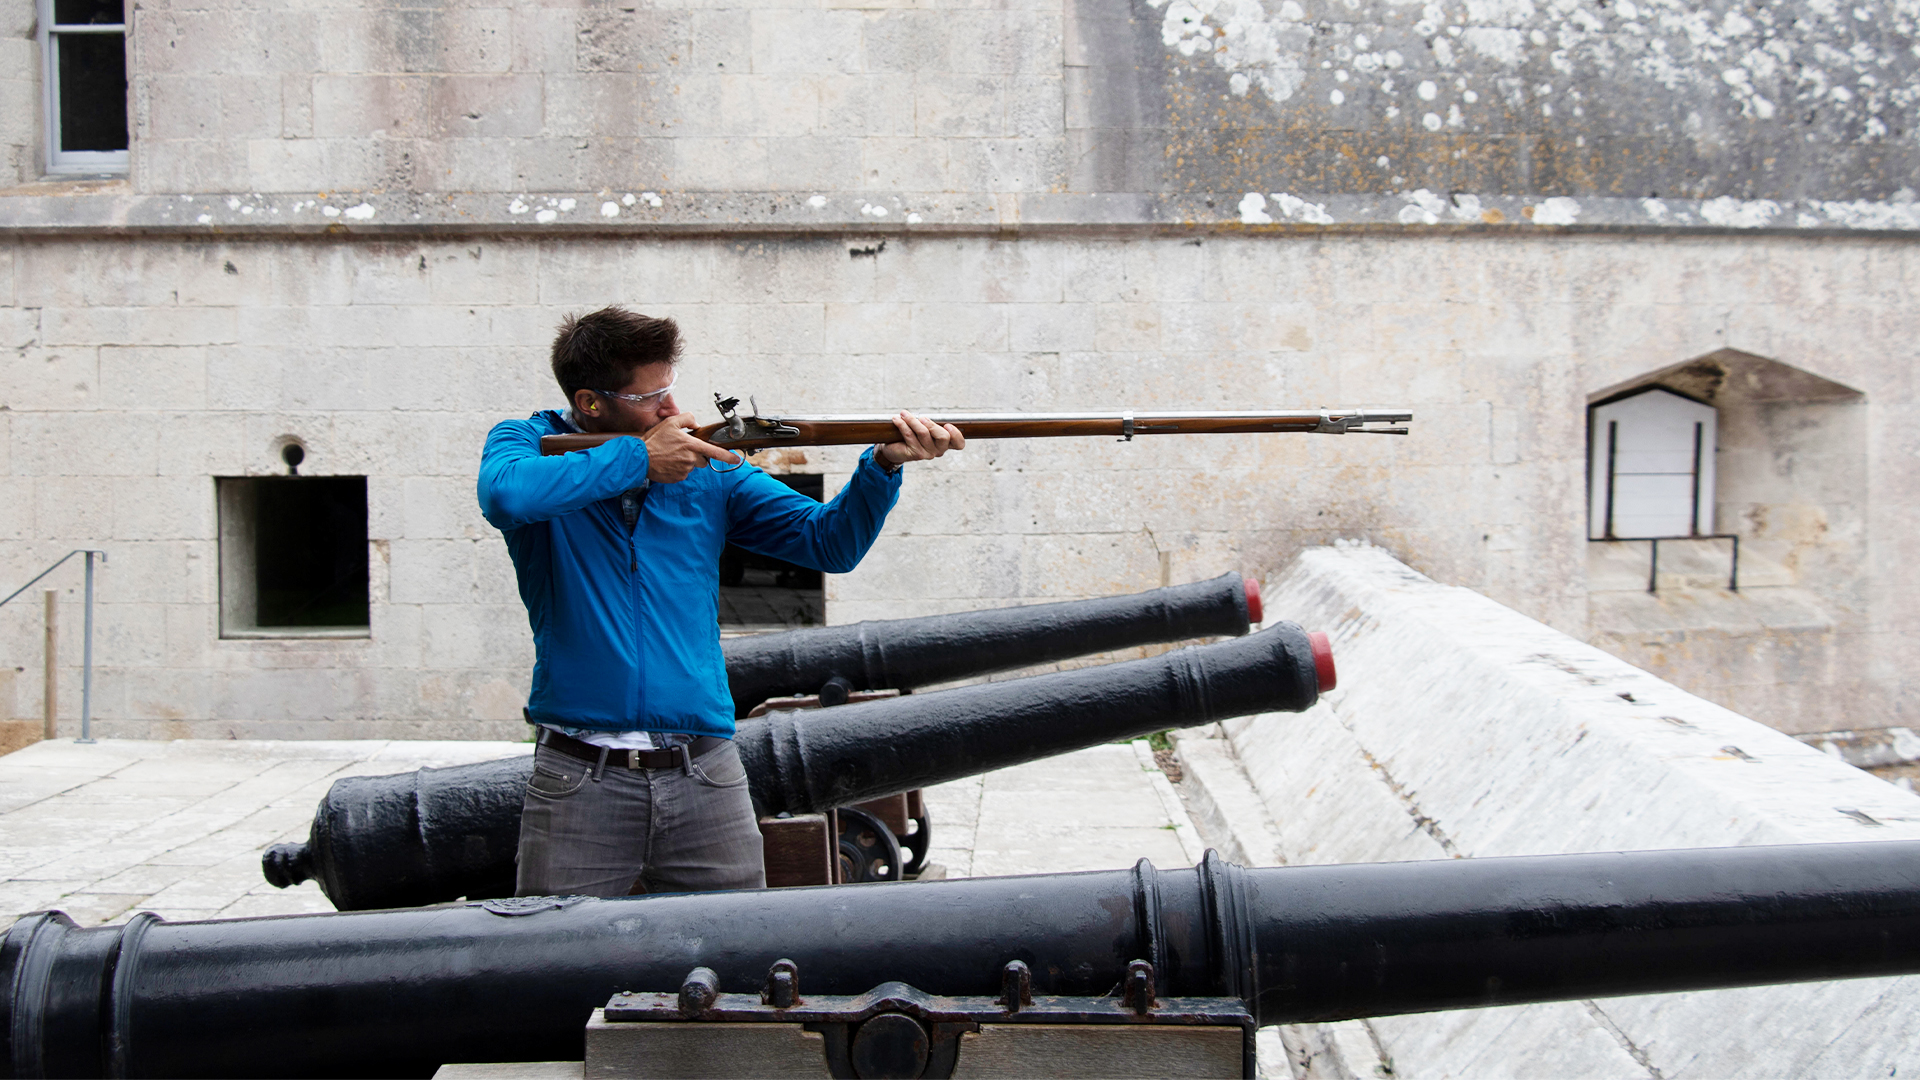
[86, 676]
[1653, 565]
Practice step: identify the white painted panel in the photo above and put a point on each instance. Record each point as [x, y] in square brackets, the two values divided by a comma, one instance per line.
[1653, 505]
[1648, 441]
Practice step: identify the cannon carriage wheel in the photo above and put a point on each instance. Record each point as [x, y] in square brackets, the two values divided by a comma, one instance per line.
[866, 848]
[916, 843]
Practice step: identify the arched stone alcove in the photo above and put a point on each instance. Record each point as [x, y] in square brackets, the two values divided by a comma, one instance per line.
[1791, 468]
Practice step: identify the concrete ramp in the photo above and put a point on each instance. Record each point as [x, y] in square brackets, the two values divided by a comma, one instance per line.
[1464, 729]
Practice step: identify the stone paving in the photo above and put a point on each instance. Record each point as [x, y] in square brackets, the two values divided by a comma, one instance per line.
[177, 828]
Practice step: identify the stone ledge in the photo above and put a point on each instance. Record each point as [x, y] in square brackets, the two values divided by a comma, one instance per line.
[82, 210]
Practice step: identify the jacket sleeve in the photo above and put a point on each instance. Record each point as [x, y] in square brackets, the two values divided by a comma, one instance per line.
[518, 486]
[766, 516]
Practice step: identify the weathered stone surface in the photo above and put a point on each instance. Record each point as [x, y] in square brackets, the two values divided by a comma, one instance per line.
[389, 342]
[1462, 729]
[1743, 111]
[390, 358]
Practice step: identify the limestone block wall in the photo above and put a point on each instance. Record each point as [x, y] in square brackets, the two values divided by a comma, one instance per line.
[138, 370]
[1657, 100]
[959, 95]
[1462, 729]
[21, 153]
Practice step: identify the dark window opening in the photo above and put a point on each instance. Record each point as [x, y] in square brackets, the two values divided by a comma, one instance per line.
[88, 12]
[293, 556]
[760, 592]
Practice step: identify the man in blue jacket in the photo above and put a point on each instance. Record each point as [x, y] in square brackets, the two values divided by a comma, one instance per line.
[637, 786]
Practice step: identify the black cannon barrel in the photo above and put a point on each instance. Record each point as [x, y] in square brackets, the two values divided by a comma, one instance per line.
[905, 654]
[436, 835]
[397, 992]
[800, 762]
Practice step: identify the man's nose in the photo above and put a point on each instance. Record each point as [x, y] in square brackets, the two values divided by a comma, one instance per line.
[667, 407]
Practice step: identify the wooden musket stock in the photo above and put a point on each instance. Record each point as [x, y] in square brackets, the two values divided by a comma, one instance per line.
[759, 432]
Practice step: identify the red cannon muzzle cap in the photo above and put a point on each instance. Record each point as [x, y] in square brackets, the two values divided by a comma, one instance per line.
[1323, 660]
[1254, 613]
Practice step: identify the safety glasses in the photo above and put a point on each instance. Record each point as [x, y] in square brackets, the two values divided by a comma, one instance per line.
[647, 400]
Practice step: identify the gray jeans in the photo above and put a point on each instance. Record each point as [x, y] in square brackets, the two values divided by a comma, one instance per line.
[688, 829]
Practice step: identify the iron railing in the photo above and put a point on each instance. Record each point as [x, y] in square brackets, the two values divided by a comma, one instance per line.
[86, 669]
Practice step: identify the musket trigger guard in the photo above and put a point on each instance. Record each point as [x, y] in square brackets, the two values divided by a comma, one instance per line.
[1126, 426]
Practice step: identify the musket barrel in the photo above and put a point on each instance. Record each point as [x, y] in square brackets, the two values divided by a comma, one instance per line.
[433, 835]
[758, 432]
[396, 992]
[906, 654]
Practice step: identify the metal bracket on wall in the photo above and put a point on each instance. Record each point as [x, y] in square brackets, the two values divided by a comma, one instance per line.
[1653, 562]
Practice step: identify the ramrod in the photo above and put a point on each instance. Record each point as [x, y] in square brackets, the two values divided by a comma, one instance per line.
[439, 834]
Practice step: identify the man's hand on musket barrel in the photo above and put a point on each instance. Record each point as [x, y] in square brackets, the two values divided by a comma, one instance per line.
[672, 452]
[920, 440]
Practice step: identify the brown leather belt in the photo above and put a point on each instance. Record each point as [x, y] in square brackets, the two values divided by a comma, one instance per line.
[673, 757]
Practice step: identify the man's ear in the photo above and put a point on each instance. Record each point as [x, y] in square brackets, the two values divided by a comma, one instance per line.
[586, 403]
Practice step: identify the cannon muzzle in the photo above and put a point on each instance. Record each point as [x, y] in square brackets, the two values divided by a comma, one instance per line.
[906, 654]
[435, 835]
[390, 993]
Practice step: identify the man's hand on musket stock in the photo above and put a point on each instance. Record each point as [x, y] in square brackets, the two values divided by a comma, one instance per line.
[672, 452]
[919, 441]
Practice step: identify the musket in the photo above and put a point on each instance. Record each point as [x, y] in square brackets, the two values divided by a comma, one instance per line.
[736, 432]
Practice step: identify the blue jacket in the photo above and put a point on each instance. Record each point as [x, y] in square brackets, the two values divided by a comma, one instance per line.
[626, 626]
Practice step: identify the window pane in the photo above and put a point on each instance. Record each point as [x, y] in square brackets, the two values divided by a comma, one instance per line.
[87, 12]
[93, 91]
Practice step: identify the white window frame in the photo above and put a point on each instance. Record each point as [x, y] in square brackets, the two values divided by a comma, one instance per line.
[72, 162]
[1600, 467]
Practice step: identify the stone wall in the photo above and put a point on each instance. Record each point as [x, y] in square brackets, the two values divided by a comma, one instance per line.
[356, 223]
[1653, 101]
[21, 154]
[940, 97]
[140, 369]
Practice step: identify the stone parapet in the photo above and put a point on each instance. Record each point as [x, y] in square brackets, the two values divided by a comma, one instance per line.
[1463, 729]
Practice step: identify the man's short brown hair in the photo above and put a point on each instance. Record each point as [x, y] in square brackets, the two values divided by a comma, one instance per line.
[599, 350]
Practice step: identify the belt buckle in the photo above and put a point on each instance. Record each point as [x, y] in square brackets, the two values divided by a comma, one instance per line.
[633, 759]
